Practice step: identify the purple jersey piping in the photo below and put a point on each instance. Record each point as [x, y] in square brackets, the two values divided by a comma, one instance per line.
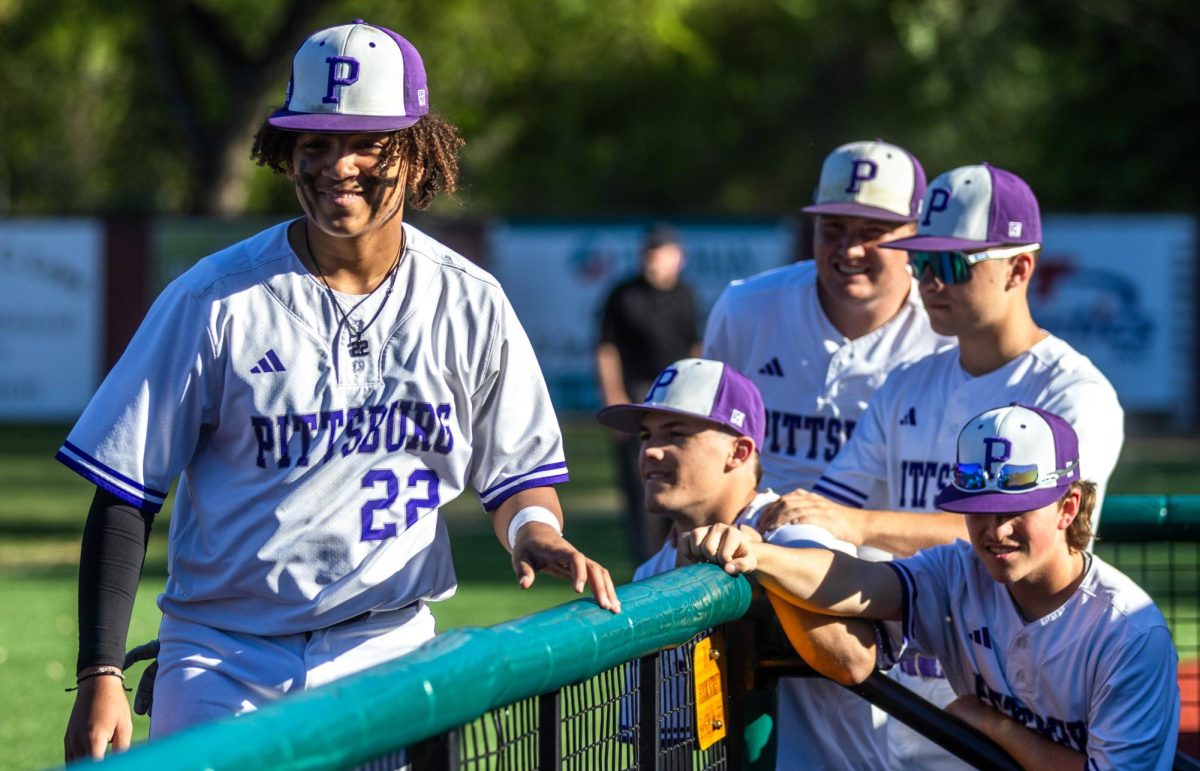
[510, 480]
[99, 481]
[908, 597]
[491, 504]
[843, 486]
[831, 489]
[837, 497]
[150, 491]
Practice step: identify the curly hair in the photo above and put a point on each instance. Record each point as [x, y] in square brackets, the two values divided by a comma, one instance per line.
[1079, 532]
[429, 149]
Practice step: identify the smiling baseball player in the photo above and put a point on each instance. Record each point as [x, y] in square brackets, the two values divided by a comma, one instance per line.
[320, 390]
[1052, 653]
[818, 338]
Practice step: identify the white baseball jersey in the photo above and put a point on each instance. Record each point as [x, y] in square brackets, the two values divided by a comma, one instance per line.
[904, 449]
[814, 381]
[1097, 675]
[816, 726]
[815, 384]
[310, 480]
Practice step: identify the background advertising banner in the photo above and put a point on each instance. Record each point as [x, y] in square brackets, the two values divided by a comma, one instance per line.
[1121, 290]
[51, 328]
[558, 276]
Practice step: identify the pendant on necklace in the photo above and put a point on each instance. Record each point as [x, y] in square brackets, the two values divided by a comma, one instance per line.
[358, 347]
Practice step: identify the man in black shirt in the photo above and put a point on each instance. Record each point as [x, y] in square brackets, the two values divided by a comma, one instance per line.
[649, 321]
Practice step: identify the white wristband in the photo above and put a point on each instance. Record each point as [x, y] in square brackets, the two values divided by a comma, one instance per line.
[531, 514]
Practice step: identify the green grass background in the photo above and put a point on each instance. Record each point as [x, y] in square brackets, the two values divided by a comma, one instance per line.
[42, 507]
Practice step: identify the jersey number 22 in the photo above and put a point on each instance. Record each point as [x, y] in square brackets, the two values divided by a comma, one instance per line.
[387, 478]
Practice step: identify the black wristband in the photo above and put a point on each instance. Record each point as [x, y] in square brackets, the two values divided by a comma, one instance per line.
[110, 564]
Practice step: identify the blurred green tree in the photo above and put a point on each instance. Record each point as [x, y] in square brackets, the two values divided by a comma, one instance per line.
[578, 107]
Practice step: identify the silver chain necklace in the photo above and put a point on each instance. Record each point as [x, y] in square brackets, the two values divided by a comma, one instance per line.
[358, 347]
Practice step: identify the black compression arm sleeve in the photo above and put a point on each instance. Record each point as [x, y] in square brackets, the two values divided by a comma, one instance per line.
[110, 564]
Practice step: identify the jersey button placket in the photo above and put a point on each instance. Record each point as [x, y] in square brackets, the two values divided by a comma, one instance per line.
[1022, 666]
[356, 371]
[367, 372]
[837, 367]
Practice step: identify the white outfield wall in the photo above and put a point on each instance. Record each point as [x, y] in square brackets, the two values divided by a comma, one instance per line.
[558, 275]
[51, 317]
[1121, 289]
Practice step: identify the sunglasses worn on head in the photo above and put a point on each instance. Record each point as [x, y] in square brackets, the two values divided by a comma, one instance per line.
[955, 267]
[1012, 478]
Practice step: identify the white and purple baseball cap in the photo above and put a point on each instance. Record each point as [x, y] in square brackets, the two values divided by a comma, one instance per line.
[972, 208]
[697, 388]
[1011, 460]
[354, 78]
[874, 180]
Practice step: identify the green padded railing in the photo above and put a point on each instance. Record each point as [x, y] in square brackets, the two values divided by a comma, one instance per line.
[464, 673]
[1133, 518]
[455, 678]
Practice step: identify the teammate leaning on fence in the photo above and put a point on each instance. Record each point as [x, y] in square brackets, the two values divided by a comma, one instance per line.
[320, 390]
[700, 428]
[818, 338]
[975, 255]
[1054, 654]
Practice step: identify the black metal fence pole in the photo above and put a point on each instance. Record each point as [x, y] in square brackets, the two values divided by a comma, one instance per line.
[649, 739]
[549, 731]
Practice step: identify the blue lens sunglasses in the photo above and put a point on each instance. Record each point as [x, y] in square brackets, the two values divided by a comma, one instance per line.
[1011, 478]
[955, 267]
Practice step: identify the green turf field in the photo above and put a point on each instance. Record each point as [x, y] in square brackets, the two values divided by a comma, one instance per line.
[42, 506]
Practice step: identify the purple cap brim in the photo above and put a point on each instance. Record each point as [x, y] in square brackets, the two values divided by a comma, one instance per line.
[336, 122]
[849, 209]
[628, 417]
[961, 502]
[941, 244]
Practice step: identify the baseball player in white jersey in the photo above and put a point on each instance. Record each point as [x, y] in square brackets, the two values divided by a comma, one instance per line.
[320, 390]
[700, 426]
[1052, 653]
[975, 254]
[818, 338]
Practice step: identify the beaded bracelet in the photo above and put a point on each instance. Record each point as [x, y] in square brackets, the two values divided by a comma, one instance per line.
[97, 672]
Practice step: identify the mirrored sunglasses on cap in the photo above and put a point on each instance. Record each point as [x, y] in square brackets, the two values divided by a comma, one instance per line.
[955, 267]
[1011, 478]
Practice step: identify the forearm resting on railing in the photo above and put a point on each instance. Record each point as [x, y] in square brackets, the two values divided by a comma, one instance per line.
[828, 582]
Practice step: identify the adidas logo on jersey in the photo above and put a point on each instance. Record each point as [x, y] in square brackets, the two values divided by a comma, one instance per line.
[910, 417]
[981, 637]
[268, 363]
[772, 368]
